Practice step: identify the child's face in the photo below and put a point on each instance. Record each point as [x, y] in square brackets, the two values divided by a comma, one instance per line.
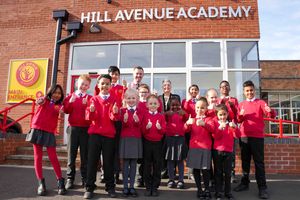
[143, 93]
[83, 85]
[166, 87]
[114, 76]
[222, 115]
[224, 89]
[194, 92]
[212, 97]
[131, 100]
[56, 95]
[249, 92]
[152, 104]
[175, 105]
[138, 75]
[104, 85]
[200, 108]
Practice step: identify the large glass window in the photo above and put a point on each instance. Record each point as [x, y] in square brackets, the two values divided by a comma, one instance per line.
[94, 57]
[242, 55]
[169, 55]
[176, 81]
[129, 78]
[206, 80]
[135, 54]
[206, 54]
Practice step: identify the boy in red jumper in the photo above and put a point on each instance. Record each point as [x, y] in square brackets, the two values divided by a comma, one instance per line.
[75, 105]
[102, 111]
[251, 117]
[153, 126]
[225, 132]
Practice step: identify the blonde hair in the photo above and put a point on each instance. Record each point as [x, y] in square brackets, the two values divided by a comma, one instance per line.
[85, 77]
[130, 92]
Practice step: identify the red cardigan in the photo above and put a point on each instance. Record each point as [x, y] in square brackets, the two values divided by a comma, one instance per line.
[175, 124]
[252, 122]
[131, 128]
[201, 136]
[46, 117]
[76, 111]
[153, 134]
[103, 117]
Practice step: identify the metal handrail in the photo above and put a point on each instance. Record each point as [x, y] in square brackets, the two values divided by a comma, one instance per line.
[280, 122]
[4, 126]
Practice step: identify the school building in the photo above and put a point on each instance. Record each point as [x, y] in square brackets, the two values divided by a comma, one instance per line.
[186, 41]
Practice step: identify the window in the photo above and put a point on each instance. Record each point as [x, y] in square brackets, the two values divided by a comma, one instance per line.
[242, 55]
[94, 57]
[128, 78]
[206, 80]
[206, 54]
[169, 55]
[135, 54]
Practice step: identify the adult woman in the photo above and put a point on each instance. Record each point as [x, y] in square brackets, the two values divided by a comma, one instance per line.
[167, 95]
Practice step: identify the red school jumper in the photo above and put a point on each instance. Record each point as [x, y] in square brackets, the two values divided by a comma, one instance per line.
[232, 106]
[131, 128]
[175, 124]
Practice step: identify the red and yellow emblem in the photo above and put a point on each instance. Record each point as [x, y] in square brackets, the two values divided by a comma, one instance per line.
[28, 73]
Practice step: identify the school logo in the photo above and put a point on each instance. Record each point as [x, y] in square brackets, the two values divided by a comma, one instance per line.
[28, 73]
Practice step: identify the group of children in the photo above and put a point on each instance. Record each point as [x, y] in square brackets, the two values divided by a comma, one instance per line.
[128, 121]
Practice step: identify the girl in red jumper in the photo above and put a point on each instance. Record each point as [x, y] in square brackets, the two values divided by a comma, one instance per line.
[175, 146]
[131, 140]
[43, 127]
[225, 132]
[199, 155]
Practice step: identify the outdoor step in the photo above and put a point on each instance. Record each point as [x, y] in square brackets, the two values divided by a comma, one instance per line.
[28, 150]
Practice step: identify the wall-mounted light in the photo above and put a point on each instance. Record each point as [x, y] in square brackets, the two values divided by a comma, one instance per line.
[109, 1]
[95, 28]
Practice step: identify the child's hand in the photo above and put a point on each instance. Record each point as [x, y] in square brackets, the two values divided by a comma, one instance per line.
[158, 126]
[135, 117]
[85, 100]
[200, 122]
[198, 96]
[242, 111]
[267, 108]
[190, 120]
[92, 107]
[149, 125]
[40, 101]
[189, 96]
[154, 91]
[211, 106]
[73, 98]
[115, 109]
[181, 112]
[125, 119]
[124, 83]
[232, 124]
[61, 111]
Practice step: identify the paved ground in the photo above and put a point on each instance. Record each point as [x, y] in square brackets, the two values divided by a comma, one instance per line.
[19, 182]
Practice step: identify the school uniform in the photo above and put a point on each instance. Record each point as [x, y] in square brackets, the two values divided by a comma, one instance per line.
[189, 106]
[232, 107]
[101, 140]
[223, 155]
[152, 147]
[166, 102]
[77, 133]
[142, 105]
[252, 139]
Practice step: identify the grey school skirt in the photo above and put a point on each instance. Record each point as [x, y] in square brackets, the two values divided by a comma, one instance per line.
[175, 148]
[131, 148]
[199, 158]
[43, 138]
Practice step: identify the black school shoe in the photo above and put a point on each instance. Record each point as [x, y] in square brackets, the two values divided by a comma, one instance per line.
[125, 192]
[70, 184]
[155, 193]
[263, 194]
[241, 187]
[171, 184]
[132, 192]
[148, 193]
[229, 196]
[112, 193]
[180, 185]
[88, 195]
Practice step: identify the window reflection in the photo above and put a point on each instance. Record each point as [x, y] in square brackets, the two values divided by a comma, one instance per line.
[206, 80]
[169, 55]
[206, 54]
[135, 54]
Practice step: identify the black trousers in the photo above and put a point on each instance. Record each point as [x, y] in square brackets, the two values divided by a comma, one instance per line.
[117, 164]
[98, 144]
[222, 166]
[253, 147]
[77, 137]
[152, 163]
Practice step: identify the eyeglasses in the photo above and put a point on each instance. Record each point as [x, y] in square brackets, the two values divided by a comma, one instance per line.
[224, 86]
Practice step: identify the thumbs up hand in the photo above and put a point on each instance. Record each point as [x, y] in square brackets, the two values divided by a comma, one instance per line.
[124, 83]
[85, 100]
[40, 101]
[136, 117]
[190, 120]
[115, 108]
[158, 126]
[232, 124]
[92, 107]
[73, 97]
[200, 122]
[125, 119]
[211, 106]
[149, 125]
[267, 108]
[242, 111]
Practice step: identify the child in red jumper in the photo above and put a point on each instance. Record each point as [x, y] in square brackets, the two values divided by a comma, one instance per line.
[199, 155]
[153, 126]
[102, 111]
[75, 105]
[175, 146]
[251, 117]
[189, 103]
[225, 132]
[43, 127]
[131, 148]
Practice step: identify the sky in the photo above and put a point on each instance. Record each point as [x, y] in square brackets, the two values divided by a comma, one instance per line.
[279, 29]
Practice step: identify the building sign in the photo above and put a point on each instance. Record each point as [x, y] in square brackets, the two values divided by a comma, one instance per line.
[27, 79]
[221, 12]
